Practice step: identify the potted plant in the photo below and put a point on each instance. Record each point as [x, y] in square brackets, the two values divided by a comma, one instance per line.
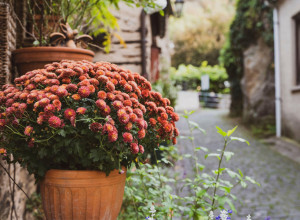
[45, 17]
[77, 126]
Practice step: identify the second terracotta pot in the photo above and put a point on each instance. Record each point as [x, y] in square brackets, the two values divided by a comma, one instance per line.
[80, 195]
[31, 58]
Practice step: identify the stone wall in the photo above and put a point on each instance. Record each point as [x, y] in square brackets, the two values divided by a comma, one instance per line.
[10, 195]
[12, 199]
[258, 83]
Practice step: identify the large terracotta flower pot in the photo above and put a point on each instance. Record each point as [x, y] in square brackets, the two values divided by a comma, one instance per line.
[80, 195]
[31, 58]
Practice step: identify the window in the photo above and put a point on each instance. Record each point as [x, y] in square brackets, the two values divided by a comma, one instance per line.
[297, 41]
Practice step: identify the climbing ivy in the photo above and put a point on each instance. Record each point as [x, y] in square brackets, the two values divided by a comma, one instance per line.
[253, 20]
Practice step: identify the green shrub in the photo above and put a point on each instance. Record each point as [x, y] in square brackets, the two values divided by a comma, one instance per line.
[191, 76]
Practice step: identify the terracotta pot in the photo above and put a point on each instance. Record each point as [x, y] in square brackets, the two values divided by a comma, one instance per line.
[31, 58]
[77, 195]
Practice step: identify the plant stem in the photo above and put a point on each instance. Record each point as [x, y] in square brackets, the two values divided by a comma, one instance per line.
[218, 175]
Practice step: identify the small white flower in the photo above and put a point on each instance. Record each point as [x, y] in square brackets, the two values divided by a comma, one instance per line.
[224, 215]
[152, 209]
[211, 215]
[249, 217]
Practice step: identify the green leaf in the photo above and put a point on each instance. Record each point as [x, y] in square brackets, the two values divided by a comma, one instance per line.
[240, 172]
[243, 184]
[240, 140]
[62, 132]
[228, 155]
[212, 155]
[230, 132]
[231, 173]
[201, 148]
[248, 178]
[220, 131]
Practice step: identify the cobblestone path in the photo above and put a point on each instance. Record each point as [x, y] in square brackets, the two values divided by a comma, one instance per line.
[279, 194]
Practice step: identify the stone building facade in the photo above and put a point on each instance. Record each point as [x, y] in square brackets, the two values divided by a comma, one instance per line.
[289, 43]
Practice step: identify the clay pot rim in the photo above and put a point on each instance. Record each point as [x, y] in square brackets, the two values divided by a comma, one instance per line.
[52, 49]
[81, 174]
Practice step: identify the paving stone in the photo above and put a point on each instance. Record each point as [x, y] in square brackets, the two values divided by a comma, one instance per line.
[279, 176]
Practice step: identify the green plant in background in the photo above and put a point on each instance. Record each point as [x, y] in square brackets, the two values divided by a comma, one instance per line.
[207, 190]
[167, 89]
[92, 17]
[200, 33]
[191, 76]
[34, 206]
[253, 20]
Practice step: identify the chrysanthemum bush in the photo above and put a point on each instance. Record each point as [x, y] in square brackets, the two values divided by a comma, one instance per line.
[82, 116]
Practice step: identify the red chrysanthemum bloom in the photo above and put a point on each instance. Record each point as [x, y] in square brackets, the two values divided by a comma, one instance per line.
[55, 122]
[117, 104]
[57, 104]
[92, 88]
[168, 127]
[127, 103]
[176, 132]
[138, 112]
[152, 121]
[174, 140]
[110, 96]
[128, 126]
[22, 107]
[49, 108]
[114, 81]
[84, 91]
[112, 136]
[164, 116]
[106, 110]
[101, 104]
[95, 127]
[127, 88]
[141, 148]
[133, 117]
[69, 113]
[140, 123]
[102, 95]
[3, 151]
[2, 123]
[28, 130]
[141, 133]
[44, 102]
[61, 92]
[81, 110]
[175, 116]
[145, 93]
[72, 88]
[127, 137]
[110, 86]
[94, 82]
[133, 95]
[134, 148]
[124, 118]
[76, 97]
[109, 127]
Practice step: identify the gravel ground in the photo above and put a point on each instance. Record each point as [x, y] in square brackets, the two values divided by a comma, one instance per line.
[279, 194]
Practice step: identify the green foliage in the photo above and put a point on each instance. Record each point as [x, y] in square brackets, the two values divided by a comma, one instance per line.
[92, 17]
[253, 20]
[191, 75]
[200, 33]
[34, 206]
[207, 190]
[167, 89]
